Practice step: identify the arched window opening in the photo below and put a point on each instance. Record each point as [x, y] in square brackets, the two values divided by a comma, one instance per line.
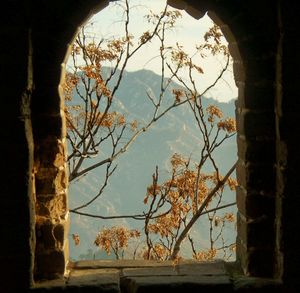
[151, 135]
[36, 186]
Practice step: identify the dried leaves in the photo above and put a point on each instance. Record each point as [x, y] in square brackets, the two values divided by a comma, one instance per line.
[115, 239]
[177, 199]
[184, 193]
[76, 239]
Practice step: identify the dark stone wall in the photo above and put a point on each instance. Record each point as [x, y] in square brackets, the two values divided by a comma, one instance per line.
[288, 158]
[16, 147]
[264, 41]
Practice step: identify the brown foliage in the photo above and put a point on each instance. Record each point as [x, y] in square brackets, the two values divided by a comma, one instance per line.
[175, 204]
[115, 239]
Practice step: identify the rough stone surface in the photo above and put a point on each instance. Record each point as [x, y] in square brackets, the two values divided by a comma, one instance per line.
[187, 269]
[175, 284]
[94, 277]
[127, 263]
[248, 285]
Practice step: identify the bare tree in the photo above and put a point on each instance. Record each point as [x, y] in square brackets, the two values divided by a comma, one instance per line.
[93, 125]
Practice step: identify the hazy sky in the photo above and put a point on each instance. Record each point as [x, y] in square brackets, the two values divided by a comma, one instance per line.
[188, 32]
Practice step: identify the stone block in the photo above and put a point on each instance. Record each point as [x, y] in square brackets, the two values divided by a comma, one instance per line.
[59, 234]
[55, 285]
[259, 125]
[162, 284]
[256, 177]
[45, 125]
[259, 96]
[238, 70]
[54, 207]
[45, 186]
[261, 70]
[255, 204]
[50, 265]
[122, 263]
[45, 238]
[54, 183]
[255, 262]
[252, 284]
[213, 268]
[46, 100]
[252, 52]
[258, 232]
[94, 280]
[47, 148]
[132, 264]
[46, 172]
[256, 151]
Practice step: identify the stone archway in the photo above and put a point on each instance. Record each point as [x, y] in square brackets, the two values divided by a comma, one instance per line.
[255, 69]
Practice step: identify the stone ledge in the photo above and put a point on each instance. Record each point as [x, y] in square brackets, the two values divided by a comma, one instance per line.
[93, 276]
[174, 284]
[193, 270]
[252, 284]
[135, 276]
[127, 263]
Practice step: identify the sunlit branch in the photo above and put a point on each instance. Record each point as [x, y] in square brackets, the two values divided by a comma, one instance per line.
[199, 212]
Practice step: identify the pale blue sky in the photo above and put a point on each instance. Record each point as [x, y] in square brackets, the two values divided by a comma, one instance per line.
[188, 32]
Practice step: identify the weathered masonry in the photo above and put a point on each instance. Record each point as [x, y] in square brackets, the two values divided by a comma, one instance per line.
[264, 41]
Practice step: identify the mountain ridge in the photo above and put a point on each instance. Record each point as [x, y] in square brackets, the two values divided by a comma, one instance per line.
[173, 133]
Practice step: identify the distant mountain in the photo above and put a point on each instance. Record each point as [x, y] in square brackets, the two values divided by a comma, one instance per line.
[176, 132]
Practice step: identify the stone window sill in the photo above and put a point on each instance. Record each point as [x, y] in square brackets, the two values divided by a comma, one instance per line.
[137, 276]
